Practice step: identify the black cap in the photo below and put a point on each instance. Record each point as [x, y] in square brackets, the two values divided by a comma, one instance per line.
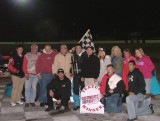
[60, 71]
[64, 46]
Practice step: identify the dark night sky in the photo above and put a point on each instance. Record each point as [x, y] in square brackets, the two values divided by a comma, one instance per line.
[48, 20]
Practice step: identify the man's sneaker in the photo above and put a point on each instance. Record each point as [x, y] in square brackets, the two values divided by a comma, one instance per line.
[20, 103]
[32, 104]
[41, 104]
[27, 105]
[58, 106]
[112, 115]
[49, 109]
[151, 107]
[76, 108]
[62, 108]
[125, 107]
[13, 104]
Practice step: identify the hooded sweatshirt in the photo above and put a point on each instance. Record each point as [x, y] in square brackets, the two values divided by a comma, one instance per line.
[44, 62]
[146, 66]
[136, 82]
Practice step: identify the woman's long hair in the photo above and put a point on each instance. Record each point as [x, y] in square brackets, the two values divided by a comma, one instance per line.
[116, 48]
[100, 57]
[141, 51]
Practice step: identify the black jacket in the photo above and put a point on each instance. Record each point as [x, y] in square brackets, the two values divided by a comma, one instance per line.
[18, 64]
[136, 82]
[118, 90]
[61, 87]
[77, 60]
[90, 67]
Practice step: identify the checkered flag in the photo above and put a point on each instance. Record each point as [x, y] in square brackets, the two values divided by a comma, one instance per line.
[86, 40]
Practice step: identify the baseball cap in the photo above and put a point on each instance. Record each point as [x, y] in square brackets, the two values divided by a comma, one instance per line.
[60, 71]
[64, 46]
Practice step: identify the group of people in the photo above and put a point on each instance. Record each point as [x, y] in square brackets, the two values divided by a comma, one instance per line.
[127, 78]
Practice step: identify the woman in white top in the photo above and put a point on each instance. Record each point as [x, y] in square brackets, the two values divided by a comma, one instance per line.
[104, 61]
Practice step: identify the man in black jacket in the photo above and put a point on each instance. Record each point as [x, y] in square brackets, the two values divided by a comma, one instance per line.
[137, 94]
[15, 67]
[77, 60]
[90, 68]
[60, 89]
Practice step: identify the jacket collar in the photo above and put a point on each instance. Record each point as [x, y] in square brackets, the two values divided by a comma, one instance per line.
[110, 75]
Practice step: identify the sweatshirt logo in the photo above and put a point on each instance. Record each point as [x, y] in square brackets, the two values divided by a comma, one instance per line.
[64, 85]
[140, 63]
[131, 78]
[48, 58]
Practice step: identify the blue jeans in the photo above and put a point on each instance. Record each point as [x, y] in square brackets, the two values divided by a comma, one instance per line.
[76, 99]
[30, 88]
[132, 105]
[114, 104]
[46, 79]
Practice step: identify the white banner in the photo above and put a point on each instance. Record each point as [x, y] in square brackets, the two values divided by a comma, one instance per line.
[90, 100]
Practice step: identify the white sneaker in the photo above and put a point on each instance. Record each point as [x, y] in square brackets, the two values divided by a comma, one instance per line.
[62, 108]
[20, 103]
[13, 104]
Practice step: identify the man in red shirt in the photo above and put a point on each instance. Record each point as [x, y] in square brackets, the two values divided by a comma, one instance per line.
[44, 71]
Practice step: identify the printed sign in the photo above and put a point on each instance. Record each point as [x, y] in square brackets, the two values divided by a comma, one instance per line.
[90, 100]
